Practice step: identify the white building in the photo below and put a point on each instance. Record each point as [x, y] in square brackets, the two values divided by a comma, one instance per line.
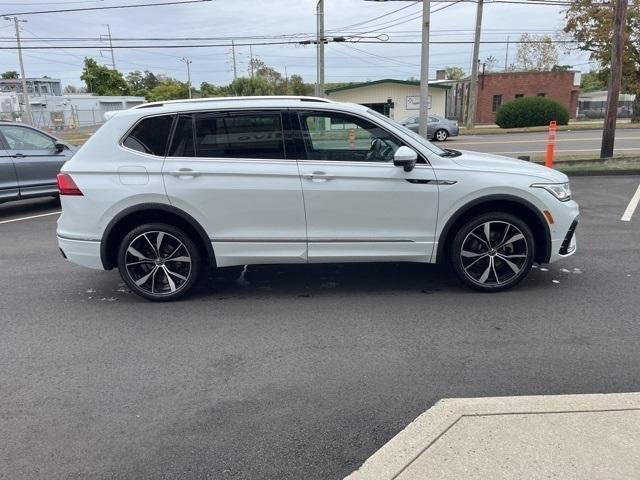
[396, 98]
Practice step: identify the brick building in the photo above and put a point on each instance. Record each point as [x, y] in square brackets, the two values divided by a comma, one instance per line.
[494, 89]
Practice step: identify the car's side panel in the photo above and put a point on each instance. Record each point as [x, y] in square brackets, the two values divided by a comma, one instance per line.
[8, 178]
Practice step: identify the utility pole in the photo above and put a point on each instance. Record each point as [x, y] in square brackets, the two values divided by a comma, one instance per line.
[188, 63]
[113, 58]
[615, 79]
[233, 52]
[506, 56]
[320, 48]
[25, 92]
[424, 68]
[473, 87]
[251, 59]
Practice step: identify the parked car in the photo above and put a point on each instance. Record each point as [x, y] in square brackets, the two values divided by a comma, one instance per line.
[163, 190]
[438, 128]
[30, 159]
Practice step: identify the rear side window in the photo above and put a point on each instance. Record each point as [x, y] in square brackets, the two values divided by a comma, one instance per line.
[251, 135]
[150, 135]
[183, 140]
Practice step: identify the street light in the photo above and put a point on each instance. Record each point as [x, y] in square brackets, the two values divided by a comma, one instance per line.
[188, 62]
[424, 63]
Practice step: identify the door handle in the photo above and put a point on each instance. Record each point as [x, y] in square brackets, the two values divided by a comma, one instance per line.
[19, 155]
[317, 176]
[185, 173]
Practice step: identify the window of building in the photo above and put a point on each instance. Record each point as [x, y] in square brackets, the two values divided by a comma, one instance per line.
[150, 135]
[541, 94]
[359, 140]
[255, 135]
[519, 95]
[497, 101]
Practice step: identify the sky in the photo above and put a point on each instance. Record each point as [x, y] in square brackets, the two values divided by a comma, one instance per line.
[258, 18]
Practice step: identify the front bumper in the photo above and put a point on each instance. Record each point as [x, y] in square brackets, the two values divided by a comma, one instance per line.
[563, 236]
[81, 252]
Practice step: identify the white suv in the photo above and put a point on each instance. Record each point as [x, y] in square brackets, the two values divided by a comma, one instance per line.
[163, 190]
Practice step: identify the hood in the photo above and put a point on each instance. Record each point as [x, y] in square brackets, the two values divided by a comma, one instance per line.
[498, 163]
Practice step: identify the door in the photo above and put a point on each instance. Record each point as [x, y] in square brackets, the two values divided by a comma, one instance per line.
[36, 159]
[359, 206]
[230, 171]
[8, 179]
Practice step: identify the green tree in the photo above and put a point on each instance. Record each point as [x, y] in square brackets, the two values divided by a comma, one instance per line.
[141, 83]
[591, 23]
[594, 80]
[209, 90]
[247, 86]
[168, 89]
[296, 86]
[10, 75]
[536, 53]
[101, 80]
[454, 73]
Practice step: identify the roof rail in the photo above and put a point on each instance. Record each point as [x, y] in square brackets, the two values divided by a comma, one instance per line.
[222, 99]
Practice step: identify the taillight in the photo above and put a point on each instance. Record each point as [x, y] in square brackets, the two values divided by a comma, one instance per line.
[66, 185]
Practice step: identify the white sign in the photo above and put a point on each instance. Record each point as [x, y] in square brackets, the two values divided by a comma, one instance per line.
[413, 102]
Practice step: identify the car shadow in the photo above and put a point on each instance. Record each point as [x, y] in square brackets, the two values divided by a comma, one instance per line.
[26, 208]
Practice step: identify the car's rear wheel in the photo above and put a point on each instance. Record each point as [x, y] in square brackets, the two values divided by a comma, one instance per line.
[441, 135]
[493, 251]
[159, 262]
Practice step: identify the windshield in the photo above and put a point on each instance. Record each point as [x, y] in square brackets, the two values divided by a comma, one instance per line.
[412, 134]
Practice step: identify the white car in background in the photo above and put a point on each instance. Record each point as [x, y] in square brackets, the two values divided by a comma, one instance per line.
[167, 189]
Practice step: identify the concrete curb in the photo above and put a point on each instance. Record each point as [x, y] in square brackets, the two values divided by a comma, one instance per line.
[398, 458]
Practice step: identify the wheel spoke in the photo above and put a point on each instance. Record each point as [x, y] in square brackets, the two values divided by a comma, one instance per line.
[152, 247]
[136, 253]
[175, 250]
[511, 256]
[475, 261]
[483, 278]
[480, 239]
[159, 239]
[175, 274]
[172, 284]
[467, 254]
[512, 265]
[146, 277]
[515, 238]
[487, 233]
[179, 259]
[493, 267]
[140, 262]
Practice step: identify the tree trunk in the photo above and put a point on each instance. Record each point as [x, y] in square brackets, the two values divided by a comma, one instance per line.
[635, 108]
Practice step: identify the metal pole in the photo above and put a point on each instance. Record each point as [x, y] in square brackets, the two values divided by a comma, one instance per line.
[473, 91]
[317, 86]
[506, 56]
[424, 68]
[615, 79]
[233, 52]
[321, 47]
[25, 91]
[113, 58]
[251, 59]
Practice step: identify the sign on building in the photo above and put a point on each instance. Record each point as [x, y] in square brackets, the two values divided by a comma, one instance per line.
[413, 102]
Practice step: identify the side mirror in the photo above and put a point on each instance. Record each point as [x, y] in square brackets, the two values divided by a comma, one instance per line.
[405, 157]
[59, 147]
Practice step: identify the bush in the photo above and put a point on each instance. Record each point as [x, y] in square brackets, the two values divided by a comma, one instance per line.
[531, 112]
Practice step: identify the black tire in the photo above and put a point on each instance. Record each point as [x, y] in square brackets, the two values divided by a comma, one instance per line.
[440, 135]
[139, 260]
[497, 264]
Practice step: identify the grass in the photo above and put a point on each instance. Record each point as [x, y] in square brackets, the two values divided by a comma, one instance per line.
[561, 128]
[75, 138]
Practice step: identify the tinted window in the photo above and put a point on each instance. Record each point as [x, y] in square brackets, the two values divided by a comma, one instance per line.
[150, 135]
[336, 136]
[23, 138]
[183, 141]
[256, 135]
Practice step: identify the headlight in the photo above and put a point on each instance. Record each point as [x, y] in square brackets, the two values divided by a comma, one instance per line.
[561, 191]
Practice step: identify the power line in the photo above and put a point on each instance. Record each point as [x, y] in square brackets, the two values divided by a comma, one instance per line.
[86, 9]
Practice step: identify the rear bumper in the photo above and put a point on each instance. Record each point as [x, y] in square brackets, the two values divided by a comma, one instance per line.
[81, 252]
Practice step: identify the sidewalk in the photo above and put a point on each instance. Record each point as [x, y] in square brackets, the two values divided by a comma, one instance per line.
[564, 437]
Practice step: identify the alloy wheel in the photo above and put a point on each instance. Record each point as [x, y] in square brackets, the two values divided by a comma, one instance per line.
[441, 135]
[158, 263]
[494, 253]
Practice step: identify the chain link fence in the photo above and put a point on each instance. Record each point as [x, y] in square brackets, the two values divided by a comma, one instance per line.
[70, 119]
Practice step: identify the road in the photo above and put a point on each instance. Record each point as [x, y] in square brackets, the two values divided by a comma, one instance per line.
[295, 372]
[581, 142]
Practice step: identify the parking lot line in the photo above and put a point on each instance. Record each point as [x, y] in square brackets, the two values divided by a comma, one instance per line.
[29, 218]
[633, 203]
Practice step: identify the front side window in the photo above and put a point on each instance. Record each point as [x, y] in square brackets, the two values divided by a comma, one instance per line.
[342, 137]
[251, 135]
[150, 135]
[23, 138]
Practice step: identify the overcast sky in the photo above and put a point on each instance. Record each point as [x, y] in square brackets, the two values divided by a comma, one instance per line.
[225, 18]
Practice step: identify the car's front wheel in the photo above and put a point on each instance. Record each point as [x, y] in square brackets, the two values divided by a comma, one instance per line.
[441, 135]
[493, 251]
[159, 262]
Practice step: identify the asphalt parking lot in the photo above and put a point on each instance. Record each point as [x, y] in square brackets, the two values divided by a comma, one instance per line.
[291, 372]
